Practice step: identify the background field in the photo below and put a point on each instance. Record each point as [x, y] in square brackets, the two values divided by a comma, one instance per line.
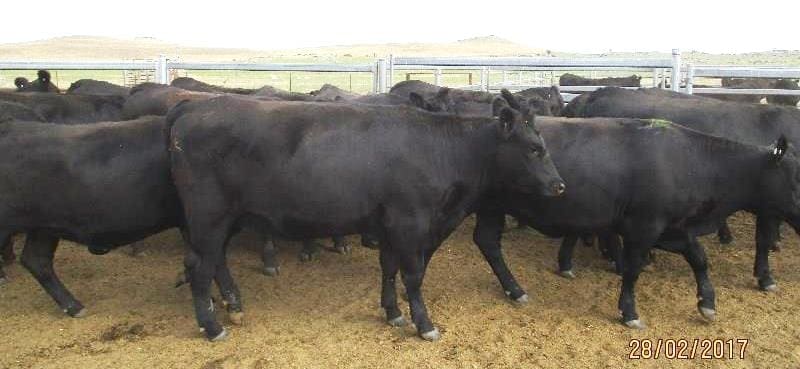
[95, 48]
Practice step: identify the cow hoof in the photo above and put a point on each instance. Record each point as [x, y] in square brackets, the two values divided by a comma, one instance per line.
[770, 288]
[708, 314]
[236, 317]
[725, 240]
[432, 335]
[79, 314]
[648, 268]
[397, 322]
[635, 324]
[271, 271]
[522, 300]
[220, 337]
[306, 257]
[344, 250]
[569, 274]
[3, 280]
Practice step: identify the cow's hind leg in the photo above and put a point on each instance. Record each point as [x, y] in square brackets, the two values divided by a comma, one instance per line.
[767, 229]
[724, 234]
[695, 255]
[487, 234]
[565, 252]
[639, 236]
[311, 250]
[7, 247]
[269, 255]
[231, 297]
[389, 270]
[37, 257]
[340, 245]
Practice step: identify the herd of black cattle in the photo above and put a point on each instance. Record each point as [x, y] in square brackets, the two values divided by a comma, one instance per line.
[105, 166]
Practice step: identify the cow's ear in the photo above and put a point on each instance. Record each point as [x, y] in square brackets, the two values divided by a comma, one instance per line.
[779, 149]
[555, 94]
[507, 123]
[512, 100]
[497, 105]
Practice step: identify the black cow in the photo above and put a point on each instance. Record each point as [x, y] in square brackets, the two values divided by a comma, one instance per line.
[102, 185]
[785, 84]
[317, 169]
[330, 92]
[551, 95]
[463, 102]
[278, 94]
[652, 182]
[95, 87]
[68, 109]
[156, 99]
[569, 79]
[40, 84]
[751, 123]
[191, 84]
[10, 110]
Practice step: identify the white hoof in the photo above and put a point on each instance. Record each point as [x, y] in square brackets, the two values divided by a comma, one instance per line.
[708, 314]
[237, 317]
[635, 324]
[522, 299]
[397, 322]
[80, 314]
[220, 337]
[771, 288]
[433, 335]
[271, 272]
[569, 274]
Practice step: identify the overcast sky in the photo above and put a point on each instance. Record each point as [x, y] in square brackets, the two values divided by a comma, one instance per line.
[583, 26]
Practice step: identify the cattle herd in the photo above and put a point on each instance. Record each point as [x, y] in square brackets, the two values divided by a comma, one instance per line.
[106, 166]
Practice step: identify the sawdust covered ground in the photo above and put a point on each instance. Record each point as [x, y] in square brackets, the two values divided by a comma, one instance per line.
[325, 314]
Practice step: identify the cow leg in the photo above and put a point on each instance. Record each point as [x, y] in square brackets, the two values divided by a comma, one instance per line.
[310, 251]
[269, 255]
[389, 270]
[565, 256]
[340, 245]
[638, 239]
[231, 297]
[695, 255]
[613, 251]
[37, 257]
[724, 234]
[7, 247]
[487, 234]
[766, 237]
[370, 241]
[410, 249]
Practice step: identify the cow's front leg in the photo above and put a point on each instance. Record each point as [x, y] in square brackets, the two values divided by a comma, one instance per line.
[487, 234]
[37, 257]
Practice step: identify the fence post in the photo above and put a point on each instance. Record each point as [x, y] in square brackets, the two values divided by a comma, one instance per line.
[656, 77]
[484, 79]
[676, 70]
[390, 74]
[689, 78]
[380, 76]
[437, 77]
[162, 72]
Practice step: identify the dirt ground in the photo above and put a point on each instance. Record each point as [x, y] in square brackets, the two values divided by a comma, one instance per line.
[325, 314]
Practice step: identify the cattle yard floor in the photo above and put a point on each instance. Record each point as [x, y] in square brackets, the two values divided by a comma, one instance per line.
[325, 313]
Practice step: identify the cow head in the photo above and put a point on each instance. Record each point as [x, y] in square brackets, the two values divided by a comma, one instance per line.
[780, 183]
[523, 162]
[21, 82]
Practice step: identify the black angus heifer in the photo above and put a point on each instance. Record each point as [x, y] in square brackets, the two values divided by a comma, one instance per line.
[652, 182]
[191, 84]
[752, 123]
[156, 99]
[316, 169]
[41, 84]
[569, 79]
[552, 95]
[95, 87]
[102, 185]
[68, 109]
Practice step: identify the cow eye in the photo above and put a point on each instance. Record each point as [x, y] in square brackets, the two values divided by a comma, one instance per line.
[534, 151]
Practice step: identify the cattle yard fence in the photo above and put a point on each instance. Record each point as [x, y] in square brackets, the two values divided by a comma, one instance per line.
[492, 72]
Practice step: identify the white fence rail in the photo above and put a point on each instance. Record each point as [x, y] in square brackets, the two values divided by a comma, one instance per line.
[383, 70]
